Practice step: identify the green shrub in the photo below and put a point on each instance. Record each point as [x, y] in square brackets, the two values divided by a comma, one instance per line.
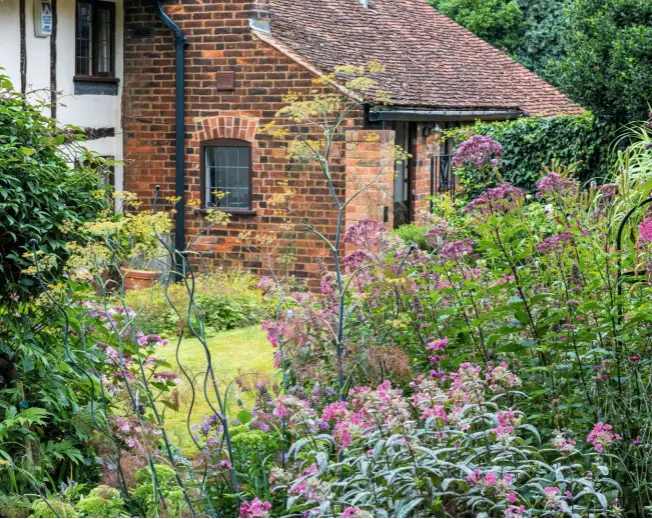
[14, 506]
[42, 197]
[42, 509]
[533, 142]
[608, 67]
[499, 22]
[149, 495]
[102, 501]
[224, 300]
[412, 233]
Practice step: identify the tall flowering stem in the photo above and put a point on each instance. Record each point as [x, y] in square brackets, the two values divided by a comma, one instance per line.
[325, 115]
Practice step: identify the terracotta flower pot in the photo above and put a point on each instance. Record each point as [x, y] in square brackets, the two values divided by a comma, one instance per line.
[137, 279]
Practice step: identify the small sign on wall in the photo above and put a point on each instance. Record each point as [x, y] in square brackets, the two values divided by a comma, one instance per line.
[42, 18]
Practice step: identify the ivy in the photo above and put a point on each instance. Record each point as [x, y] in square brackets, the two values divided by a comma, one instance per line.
[531, 143]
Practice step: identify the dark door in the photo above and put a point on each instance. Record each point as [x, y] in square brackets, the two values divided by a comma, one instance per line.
[402, 178]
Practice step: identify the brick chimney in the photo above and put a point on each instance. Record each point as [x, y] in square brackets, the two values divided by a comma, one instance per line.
[261, 16]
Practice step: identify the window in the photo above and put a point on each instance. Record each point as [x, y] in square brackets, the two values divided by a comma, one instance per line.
[226, 168]
[95, 39]
[106, 172]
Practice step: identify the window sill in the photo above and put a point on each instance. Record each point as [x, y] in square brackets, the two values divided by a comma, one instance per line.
[242, 212]
[95, 85]
[97, 79]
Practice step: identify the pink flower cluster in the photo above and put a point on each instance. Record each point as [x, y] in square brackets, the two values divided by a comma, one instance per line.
[645, 229]
[296, 412]
[356, 260]
[499, 199]
[515, 511]
[608, 191]
[437, 346]
[310, 486]
[366, 233]
[478, 151]
[555, 242]
[266, 283]
[163, 377]
[275, 330]
[506, 422]
[131, 432]
[553, 497]
[150, 340]
[555, 184]
[456, 250]
[501, 377]
[490, 479]
[255, 508]
[601, 437]
[435, 235]
[563, 443]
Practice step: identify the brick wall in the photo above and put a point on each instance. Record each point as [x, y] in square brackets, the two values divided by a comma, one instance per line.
[219, 40]
[370, 171]
[424, 149]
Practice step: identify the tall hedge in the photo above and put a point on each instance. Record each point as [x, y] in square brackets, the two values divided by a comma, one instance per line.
[529, 143]
[44, 192]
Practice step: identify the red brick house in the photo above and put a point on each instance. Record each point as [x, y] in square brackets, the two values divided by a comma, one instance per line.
[240, 57]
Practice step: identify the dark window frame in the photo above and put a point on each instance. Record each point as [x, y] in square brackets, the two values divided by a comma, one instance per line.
[95, 75]
[224, 143]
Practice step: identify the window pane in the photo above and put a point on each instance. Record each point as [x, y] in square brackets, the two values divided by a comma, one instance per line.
[227, 170]
[104, 41]
[84, 37]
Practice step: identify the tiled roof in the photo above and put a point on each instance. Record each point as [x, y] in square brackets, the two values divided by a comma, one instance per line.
[430, 60]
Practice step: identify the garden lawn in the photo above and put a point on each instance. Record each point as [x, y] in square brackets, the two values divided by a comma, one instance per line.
[243, 353]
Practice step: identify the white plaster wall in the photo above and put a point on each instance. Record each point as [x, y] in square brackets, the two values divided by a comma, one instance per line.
[10, 40]
[88, 111]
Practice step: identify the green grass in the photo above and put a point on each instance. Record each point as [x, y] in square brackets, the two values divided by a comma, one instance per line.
[243, 353]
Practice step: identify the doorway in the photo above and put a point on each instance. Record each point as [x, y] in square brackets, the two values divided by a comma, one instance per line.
[402, 177]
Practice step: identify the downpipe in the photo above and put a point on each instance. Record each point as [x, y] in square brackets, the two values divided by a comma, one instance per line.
[180, 43]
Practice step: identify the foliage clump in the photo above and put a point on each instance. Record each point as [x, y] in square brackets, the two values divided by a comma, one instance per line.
[499, 22]
[530, 143]
[223, 300]
[608, 68]
[102, 501]
[47, 190]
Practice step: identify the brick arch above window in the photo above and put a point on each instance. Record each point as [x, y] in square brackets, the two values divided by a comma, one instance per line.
[227, 126]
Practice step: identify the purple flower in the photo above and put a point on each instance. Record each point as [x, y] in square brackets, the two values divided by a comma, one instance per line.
[555, 242]
[255, 508]
[555, 184]
[166, 376]
[265, 283]
[262, 426]
[437, 344]
[503, 197]
[356, 260]
[365, 233]
[436, 234]
[478, 151]
[608, 191]
[457, 249]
